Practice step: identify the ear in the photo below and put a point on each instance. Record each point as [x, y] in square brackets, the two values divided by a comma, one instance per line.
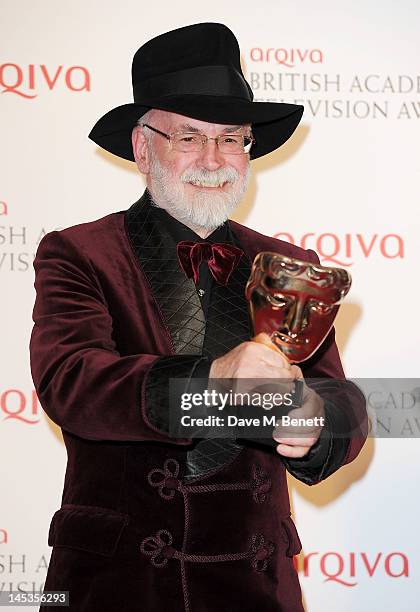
[140, 150]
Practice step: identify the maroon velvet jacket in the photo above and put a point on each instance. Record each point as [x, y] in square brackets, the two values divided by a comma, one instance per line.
[114, 318]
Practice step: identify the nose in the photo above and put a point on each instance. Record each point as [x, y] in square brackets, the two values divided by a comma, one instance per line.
[210, 156]
[297, 318]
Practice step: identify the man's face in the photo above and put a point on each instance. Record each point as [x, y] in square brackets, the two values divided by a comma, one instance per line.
[200, 189]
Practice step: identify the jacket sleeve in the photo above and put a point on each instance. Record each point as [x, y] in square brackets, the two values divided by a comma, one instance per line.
[343, 435]
[83, 383]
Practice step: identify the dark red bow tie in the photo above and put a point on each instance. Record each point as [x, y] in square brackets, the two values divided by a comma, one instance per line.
[221, 258]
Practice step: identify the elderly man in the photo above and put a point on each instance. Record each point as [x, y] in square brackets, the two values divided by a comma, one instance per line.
[148, 520]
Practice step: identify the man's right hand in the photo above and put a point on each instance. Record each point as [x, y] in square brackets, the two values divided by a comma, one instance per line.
[253, 360]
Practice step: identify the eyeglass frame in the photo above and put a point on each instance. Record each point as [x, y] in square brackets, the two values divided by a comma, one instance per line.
[204, 142]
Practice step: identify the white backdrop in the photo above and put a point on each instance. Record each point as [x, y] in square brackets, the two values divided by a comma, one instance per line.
[346, 184]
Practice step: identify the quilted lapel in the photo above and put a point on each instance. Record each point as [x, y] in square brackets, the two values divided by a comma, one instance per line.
[178, 301]
[176, 295]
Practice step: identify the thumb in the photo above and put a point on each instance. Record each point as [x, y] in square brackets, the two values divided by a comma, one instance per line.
[296, 372]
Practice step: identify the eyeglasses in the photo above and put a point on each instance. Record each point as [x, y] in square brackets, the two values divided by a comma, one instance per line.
[191, 142]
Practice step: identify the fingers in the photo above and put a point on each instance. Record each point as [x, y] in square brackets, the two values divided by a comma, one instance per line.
[255, 359]
[265, 340]
[269, 354]
[297, 442]
[291, 431]
[294, 452]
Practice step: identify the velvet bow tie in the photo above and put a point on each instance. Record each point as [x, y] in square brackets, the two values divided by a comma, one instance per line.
[221, 259]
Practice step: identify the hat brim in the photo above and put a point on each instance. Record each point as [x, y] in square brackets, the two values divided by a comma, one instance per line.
[272, 122]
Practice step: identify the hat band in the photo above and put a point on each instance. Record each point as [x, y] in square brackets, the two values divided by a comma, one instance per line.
[203, 80]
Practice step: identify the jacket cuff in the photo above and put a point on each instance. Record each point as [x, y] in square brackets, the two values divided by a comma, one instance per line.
[328, 453]
[315, 458]
[157, 391]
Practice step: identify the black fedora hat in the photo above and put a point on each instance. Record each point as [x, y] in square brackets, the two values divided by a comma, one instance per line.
[195, 71]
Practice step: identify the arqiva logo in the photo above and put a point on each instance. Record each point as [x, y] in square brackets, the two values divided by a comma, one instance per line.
[28, 81]
[342, 250]
[287, 57]
[347, 569]
[16, 406]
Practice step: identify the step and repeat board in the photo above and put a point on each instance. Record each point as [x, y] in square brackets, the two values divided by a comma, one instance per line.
[345, 185]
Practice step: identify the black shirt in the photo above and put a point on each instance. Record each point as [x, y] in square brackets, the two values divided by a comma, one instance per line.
[179, 232]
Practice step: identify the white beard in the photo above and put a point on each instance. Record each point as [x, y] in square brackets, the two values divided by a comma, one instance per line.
[202, 210]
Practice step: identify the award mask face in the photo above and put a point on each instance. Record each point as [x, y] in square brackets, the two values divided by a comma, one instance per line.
[294, 302]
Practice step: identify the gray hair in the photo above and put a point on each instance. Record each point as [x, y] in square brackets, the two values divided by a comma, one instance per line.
[146, 118]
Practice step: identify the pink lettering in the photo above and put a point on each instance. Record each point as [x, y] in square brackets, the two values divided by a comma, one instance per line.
[287, 57]
[404, 570]
[302, 55]
[334, 576]
[348, 245]
[370, 569]
[9, 87]
[257, 54]
[366, 249]
[12, 77]
[267, 55]
[399, 244]
[31, 73]
[14, 414]
[50, 82]
[335, 250]
[333, 565]
[84, 75]
[352, 564]
[316, 56]
[339, 249]
[35, 402]
[306, 563]
[303, 240]
[282, 57]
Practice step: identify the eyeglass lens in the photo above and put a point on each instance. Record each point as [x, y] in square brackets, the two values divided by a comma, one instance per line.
[229, 143]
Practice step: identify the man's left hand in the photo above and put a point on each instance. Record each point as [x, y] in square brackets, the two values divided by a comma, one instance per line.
[296, 441]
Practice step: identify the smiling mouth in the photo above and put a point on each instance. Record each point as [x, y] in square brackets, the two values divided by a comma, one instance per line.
[204, 185]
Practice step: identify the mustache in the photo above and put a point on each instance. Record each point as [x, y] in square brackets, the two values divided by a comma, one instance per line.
[213, 177]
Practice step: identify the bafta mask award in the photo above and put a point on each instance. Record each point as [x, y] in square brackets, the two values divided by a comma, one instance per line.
[294, 302]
